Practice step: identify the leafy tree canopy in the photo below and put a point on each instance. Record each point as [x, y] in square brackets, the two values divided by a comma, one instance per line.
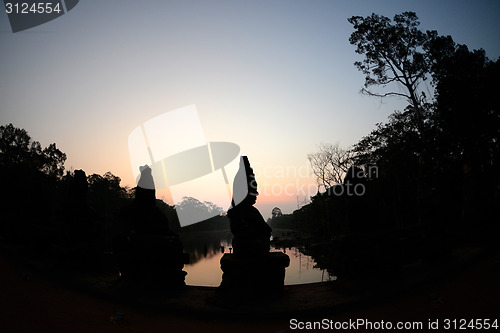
[17, 150]
[395, 52]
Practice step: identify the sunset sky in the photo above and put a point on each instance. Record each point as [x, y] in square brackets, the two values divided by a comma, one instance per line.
[274, 77]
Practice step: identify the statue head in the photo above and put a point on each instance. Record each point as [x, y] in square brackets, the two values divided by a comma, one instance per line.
[79, 187]
[244, 185]
[145, 193]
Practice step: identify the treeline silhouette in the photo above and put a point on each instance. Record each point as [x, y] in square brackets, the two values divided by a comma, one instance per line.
[47, 212]
[433, 181]
[218, 221]
[446, 174]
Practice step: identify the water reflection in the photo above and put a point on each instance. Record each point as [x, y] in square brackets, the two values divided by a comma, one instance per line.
[207, 248]
[203, 245]
[303, 269]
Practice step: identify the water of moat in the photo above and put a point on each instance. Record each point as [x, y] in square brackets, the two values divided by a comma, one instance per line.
[207, 248]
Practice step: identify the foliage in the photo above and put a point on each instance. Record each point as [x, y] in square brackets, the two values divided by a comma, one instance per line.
[30, 176]
[106, 195]
[198, 208]
[215, 223]
[461, 125]
[467, 115]
[390, 146]
[395, 52]
[199, 211]
[169, 212]
[18, 151]
[276, 212]
[436, 159]
[330, 164]
[284, 221]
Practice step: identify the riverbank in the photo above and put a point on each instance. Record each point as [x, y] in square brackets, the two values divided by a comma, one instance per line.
[35, 301]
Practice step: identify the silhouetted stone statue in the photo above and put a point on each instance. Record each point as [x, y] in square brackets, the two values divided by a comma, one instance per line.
[79, 187]
[354, 176]
[251, 233]
[145, 248]
[251, 269]
[354, 189]
[83, 226]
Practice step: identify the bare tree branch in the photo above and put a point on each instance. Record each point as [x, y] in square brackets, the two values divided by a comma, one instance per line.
[367, 92]
[330, 164]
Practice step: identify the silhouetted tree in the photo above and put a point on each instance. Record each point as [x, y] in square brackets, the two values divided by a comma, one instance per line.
[53, 161]
[17, 150]
[394, 53]
[199, 210]
[14, 146]
[276, 212]
[467, 123]
[390, 146]
[30, 176]
[461, 125]
[330, 164]
[467, 111]
[106, 195]
[169, 212]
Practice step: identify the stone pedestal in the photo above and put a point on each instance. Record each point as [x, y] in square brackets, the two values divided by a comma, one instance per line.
[155, 260]
[265, 273]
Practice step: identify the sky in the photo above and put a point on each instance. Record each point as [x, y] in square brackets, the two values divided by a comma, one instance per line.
[274, 77]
